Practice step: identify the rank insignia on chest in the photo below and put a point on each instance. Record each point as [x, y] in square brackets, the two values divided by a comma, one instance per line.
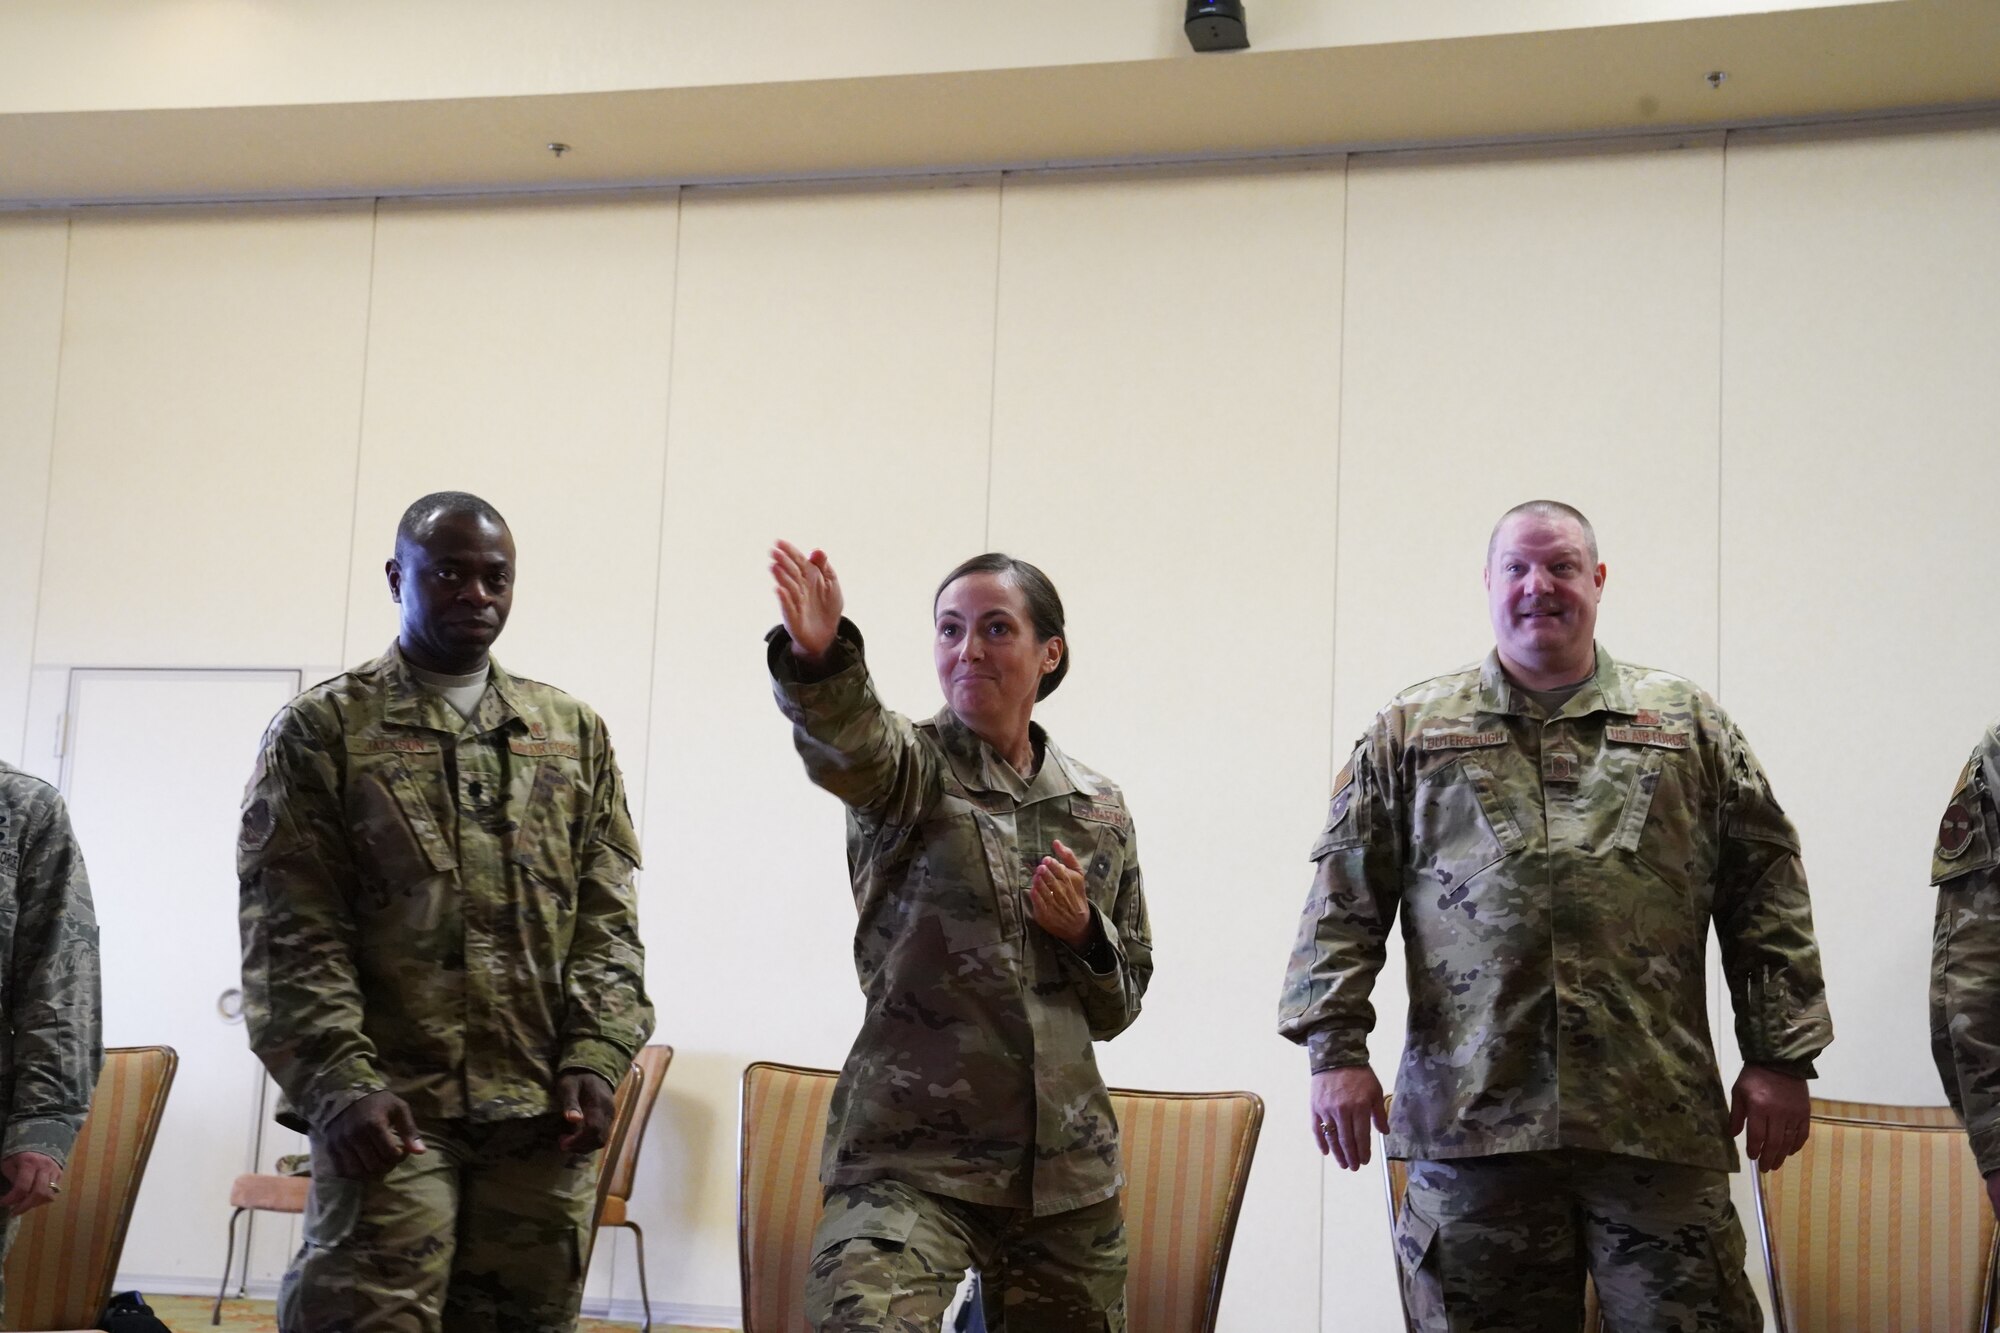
[1560, 766]
[1955, 832]
[538, 729]
[1646, 717]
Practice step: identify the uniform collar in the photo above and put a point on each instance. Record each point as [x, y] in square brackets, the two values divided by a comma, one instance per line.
[979, 766]
[409, 704]
[1605, 692]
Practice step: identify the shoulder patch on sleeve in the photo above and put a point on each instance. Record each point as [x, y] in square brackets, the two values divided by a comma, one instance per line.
[1964, 842]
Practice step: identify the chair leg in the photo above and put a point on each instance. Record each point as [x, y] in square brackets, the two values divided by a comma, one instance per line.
[645, 1297]
[228, 1255]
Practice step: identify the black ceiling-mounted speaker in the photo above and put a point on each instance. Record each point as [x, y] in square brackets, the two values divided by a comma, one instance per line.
[1217, 25]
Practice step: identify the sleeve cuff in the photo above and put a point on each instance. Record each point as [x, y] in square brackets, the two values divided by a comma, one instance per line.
[595, 1055]
[846, 652]
[1986, 1146]
[1802, 1069]
[1100, 955]
[47, 1135]
[339, 1088]
[1337, 1048]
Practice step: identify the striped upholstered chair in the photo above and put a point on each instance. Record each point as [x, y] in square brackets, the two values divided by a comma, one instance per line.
[777, 1191]
[60, 1271]
[1395, 1177]
[1187, 1156]
[636, 1095]
[1881, 1224]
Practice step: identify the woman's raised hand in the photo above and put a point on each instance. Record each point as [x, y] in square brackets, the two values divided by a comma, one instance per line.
[809, 598]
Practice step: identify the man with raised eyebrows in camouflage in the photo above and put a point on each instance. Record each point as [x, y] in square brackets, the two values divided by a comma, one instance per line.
[441, 959]
[1558, 830]
[51, 1021]
[1965, 955]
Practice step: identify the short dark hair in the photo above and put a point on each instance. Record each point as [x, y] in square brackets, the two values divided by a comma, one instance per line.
[1545, 509]
[442, 504]
[1045, 608]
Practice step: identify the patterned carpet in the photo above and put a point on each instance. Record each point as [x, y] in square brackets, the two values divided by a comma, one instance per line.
[189, 1314]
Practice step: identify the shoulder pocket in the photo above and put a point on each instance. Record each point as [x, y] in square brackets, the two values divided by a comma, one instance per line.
[1965, 843]
[1346, 816]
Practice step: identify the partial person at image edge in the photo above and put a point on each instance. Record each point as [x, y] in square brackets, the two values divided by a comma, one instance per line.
[51, 1013]
[1965, 956]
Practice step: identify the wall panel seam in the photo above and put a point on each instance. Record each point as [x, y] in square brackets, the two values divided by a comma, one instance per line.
[48, 480]
[1333, 638]
[993, 351]
[660, 527]
[360, 432]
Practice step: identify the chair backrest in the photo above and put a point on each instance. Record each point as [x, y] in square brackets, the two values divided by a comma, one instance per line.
[1880, 1222]
[635, 1108]
[630, 1090]
[1187, 1158]
[65, 1256]
[778, 1190]
[1396, 1179]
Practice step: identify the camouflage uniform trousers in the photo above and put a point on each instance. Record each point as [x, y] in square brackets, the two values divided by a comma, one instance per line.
[1501, 1244]
[887, 1258]
[485, 1232]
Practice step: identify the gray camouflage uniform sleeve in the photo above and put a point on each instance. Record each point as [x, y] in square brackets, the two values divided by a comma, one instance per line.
[1965, 962]
[1344, 930]
[1112, 994]
[57, 1014]
[1763, 920]
[608, 1016]
[302, 999]
[853, 747]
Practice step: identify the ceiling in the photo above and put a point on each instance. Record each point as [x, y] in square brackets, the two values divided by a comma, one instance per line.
[1848, 60]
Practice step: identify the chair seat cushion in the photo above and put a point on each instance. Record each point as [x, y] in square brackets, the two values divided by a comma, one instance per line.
[273, 1194]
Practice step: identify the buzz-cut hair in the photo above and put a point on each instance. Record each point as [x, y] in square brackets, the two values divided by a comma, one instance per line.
[1545, 509]
[442, 504]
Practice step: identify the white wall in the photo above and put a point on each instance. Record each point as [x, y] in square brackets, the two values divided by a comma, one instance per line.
[1256, 424]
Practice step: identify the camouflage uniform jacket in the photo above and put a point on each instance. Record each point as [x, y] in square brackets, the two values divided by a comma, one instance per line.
[1965, 951]
[51, 1018]
[973, 1074]
[440, 907]
[1556, 878]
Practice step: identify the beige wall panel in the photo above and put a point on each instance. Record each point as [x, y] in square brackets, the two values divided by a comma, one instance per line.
[1167, 381]
[1515, 329]
[34, 253]
[520, 351]
[205, 434]
[832, 384]
[1860, 624]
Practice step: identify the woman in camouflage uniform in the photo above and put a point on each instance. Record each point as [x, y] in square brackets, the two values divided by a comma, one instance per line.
[1002, 928]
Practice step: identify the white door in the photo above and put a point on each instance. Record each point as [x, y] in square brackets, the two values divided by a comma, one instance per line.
[153, 770]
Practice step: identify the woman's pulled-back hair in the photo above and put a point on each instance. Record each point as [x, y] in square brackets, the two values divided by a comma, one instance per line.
[1045, 608]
